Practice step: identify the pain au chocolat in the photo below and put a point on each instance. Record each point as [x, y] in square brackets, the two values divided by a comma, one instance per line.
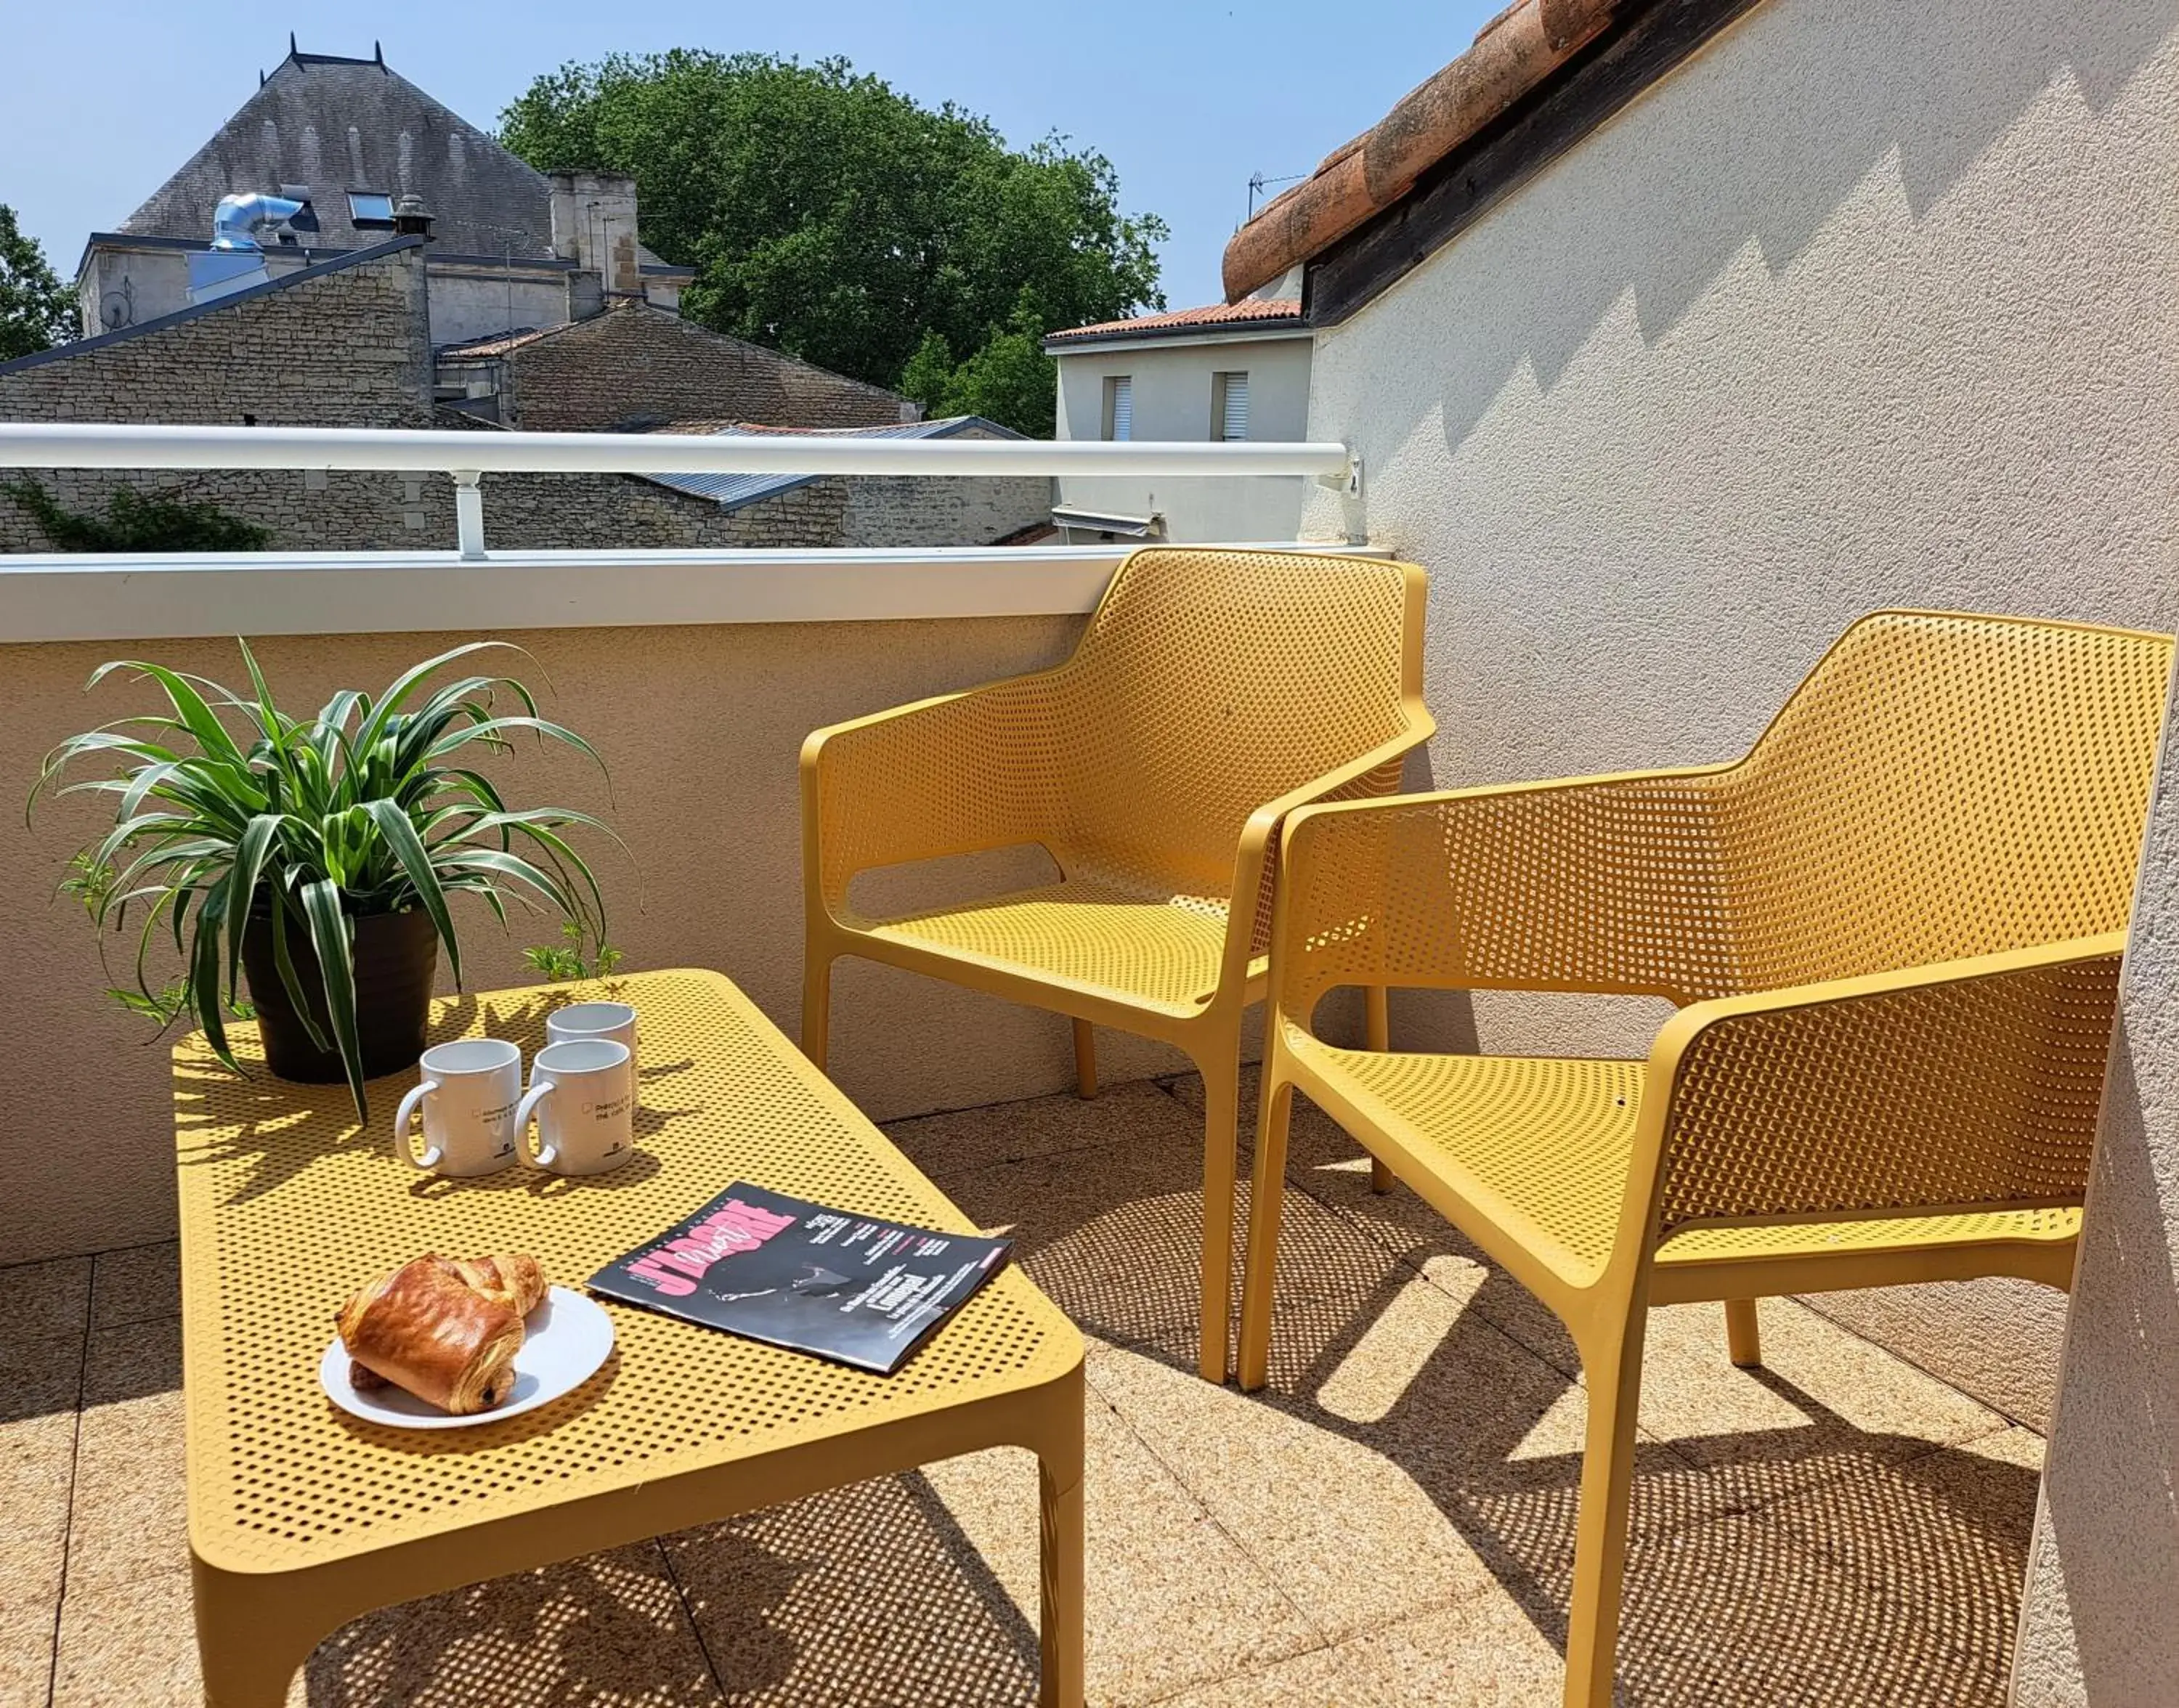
[429, 1331]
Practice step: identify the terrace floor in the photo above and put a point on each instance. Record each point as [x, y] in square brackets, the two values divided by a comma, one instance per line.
[1391, 1522]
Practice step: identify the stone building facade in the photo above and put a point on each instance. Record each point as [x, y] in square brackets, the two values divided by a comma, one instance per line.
[513, 247]
[345, 343]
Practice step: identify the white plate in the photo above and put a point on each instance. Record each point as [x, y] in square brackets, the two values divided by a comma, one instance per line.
[566, 1338]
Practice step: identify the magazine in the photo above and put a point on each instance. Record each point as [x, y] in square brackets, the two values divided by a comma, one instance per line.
[793, 1273]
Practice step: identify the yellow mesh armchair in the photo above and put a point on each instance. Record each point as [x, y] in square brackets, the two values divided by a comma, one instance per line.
[1211, 692]
[1894, 931]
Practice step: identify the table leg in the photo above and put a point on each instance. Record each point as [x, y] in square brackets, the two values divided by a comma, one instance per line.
[251, 1638]
[1059, 1537]
[1060, 1636]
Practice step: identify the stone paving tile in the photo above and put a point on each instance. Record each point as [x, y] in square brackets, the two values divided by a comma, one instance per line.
[1468, 1472]
[1485, 1653]
[132, 1362]
[605, 1630]
[964, 1140]
[1941, 1541]
[45, 1299]
[1822, 1390]
[1741, 1613]
[39, 1384]
[1113, 1234]
[864, 1595]
[125, 1645]
[26, 1642]
[1345, 1673]
[129, 1517]
[136, 1285]
[1390, 1522]
[1172, 1601]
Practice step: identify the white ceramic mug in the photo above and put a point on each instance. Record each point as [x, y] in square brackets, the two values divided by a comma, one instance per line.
[469, 1091]
[612, 1020]
[582, 1091]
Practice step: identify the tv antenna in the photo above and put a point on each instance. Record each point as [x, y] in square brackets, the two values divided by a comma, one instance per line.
[1258, 183]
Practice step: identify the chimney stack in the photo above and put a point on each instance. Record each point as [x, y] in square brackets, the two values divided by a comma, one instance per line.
[594, 225]
[409, 218]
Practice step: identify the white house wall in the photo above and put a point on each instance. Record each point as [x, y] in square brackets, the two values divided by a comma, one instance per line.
[1171, 385]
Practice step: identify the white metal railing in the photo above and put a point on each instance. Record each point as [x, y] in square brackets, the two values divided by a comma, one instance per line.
[466, 455]
[69, 596]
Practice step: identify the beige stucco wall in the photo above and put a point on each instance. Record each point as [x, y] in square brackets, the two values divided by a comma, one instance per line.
[2096, 1623]
[701, 727]
[1868, 304]
[1172, 398]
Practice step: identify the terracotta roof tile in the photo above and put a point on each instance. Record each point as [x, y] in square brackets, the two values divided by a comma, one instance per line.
[1514, 53]
[1248, 310]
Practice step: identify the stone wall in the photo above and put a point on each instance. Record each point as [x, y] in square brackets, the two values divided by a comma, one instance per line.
[344, 345]
[903, 509]
[638, 362]
[348, 347]
[608, 512]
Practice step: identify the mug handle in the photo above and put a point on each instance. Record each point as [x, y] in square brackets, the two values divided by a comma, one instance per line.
[545, 1154]
[429, 1159]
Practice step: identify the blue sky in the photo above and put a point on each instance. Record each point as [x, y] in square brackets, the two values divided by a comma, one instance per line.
[1188, 100]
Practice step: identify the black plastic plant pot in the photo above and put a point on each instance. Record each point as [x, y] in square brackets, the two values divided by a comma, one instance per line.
[397, 959]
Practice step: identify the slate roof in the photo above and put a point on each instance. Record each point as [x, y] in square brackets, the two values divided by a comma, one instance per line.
[733, 491]
[334, 124]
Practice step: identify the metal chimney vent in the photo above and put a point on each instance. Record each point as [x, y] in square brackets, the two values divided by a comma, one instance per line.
[235, 221]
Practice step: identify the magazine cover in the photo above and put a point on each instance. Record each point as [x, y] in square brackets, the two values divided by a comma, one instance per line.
[801, 1275]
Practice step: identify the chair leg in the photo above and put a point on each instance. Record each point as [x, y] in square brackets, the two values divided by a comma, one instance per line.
[1221, 1103]
[1378, 1035]
[1085, 1059]
[1265, 1195]
[1607, 1483]
[817, 1005]
[1743, 1335]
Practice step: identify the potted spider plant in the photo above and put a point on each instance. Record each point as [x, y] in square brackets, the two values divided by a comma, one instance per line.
[316, 855]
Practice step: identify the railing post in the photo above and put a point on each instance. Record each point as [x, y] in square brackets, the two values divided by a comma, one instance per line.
[469, 514]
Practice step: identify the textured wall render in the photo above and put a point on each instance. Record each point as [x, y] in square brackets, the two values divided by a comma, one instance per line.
[700, 726]
[1868, 304]
[2097, 1629]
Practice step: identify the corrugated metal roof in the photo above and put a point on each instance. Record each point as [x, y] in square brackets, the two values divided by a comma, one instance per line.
[733, 491]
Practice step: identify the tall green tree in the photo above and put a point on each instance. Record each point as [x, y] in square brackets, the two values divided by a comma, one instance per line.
[832, 216]
[37, 311]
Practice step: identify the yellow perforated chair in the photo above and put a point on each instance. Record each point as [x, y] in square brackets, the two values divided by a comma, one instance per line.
[1211, 692]
[1894, 928]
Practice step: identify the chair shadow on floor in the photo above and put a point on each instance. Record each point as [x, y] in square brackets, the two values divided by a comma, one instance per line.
[1818, 1564]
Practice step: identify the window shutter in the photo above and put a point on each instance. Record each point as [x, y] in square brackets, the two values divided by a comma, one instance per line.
[1122, 406]
[1233, 407]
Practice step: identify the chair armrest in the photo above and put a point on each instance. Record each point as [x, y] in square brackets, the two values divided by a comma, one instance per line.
[1962, 1086]
[948, 776]
[1372, 776]
[1593, 884]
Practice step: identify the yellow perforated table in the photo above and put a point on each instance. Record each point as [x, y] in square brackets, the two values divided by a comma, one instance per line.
[301, 1516]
